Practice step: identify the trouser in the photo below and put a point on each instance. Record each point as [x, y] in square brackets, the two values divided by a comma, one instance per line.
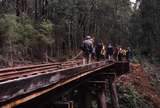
[87, 58]
[110, 56]
[98, 55]
[119, 57]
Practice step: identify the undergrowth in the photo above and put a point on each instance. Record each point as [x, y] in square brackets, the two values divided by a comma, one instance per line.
[130, 98]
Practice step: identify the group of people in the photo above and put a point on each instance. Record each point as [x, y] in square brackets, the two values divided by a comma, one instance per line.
[98, 50]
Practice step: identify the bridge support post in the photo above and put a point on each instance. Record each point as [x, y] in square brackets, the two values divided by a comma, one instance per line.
[113, 92]
[102, 98]
[68, 104]
[82, 97]
[100, 88]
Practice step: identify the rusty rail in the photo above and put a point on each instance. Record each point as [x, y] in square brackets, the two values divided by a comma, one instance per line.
[51, 80]
[27, 79]
[19, 72]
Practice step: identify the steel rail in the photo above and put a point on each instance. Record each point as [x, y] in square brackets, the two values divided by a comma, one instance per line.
[52, 87]
[19, 72]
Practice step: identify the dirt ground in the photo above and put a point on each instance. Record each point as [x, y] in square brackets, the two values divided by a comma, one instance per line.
[142, 81]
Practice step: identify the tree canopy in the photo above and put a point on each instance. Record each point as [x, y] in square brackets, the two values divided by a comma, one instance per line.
[37, 29]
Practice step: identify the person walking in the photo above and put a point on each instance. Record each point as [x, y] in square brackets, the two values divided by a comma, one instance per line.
[120, 53]
[87, 48]
[115, 52]
[98, 50]
[103, 51]
[129, 54]
[110, 51]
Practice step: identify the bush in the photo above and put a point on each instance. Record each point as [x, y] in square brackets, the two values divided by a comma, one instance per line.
[21, 39]
[128, 97]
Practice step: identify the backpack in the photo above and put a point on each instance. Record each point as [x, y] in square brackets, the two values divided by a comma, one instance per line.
[87, 47]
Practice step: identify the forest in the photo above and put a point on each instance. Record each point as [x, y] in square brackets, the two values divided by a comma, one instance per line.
[39, 30]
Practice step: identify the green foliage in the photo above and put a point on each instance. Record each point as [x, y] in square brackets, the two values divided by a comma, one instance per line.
[135, 60]
[145, 27]
[10, 28]
[59, 26]
[129, 97]
[46, 32]
[19, 36]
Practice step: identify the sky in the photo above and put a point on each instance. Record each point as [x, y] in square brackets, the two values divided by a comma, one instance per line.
[133, 1]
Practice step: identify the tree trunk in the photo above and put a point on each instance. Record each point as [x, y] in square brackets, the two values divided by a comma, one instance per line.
[11, 55]
[46, 55]
[18, 7]
[36, 9]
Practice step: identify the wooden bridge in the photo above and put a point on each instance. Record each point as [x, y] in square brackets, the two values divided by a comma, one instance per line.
[40, 85]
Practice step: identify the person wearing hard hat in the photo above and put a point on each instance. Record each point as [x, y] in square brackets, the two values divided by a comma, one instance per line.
[87, 48]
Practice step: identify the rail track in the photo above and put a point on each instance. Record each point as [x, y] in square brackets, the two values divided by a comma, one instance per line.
[25, 71]
[29, 82]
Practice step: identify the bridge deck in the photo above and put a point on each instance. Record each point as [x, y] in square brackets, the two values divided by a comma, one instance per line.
[15, 90]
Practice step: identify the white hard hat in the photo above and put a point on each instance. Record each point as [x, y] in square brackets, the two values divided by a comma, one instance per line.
[88, 37]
